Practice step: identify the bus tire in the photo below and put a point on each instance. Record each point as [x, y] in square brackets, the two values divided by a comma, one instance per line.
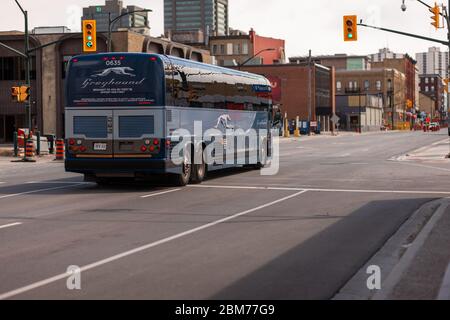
[263, 161]
[183, 178]
[198, 173]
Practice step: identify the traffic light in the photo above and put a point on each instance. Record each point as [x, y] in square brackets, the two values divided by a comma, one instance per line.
[89, 35]
[436, 11]
[24, 93]
[350, 28]
[15, 94]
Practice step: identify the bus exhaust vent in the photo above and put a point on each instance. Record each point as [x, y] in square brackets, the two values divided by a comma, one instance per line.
[169, 115]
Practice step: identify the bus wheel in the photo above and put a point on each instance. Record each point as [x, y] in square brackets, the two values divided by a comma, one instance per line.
[183, 179]
[198, 172]
[263, 160]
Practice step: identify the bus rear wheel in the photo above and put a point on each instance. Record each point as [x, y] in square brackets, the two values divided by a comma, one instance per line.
[198, 173]
[183, 178]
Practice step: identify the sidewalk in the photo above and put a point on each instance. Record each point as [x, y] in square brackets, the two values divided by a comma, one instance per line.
[6, 150]
[437, 151]
[331, 135]
[427, 277]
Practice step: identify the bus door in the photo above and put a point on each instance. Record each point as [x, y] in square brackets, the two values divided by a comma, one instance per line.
[92, 130]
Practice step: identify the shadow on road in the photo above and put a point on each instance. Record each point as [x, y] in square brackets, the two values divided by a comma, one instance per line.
[319, 267]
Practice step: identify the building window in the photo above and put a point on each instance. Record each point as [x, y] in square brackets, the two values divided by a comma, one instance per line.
[338, 86]
[245, 48]
[237, 49]
[222, 49]
[426, 89]
[432, 88]
[366, 84]
[426, 80]
[229, 49]
[13, 68]
[378, 84]
[214, 49]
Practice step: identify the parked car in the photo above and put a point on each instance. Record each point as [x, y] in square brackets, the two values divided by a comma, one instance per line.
[434, 126]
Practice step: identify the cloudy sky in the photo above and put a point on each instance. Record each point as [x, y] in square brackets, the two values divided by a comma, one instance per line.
[304, 24]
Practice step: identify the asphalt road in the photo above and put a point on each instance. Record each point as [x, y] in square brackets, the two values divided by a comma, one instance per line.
[300, 234]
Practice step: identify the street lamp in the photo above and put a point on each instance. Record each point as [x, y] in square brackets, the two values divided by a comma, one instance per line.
[27, 67]
[111, 23]
[255, 55]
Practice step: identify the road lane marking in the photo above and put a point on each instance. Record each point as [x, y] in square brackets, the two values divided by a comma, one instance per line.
[420, 165]
[10, 225]
[320, 190]
[160, 193]
[37, 191]
[57, 182]
[62, 276]
[205, 186]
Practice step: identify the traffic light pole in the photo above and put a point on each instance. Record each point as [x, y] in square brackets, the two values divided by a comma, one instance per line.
[446, 43]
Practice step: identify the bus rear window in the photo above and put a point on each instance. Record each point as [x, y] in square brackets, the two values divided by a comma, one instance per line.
[115, 81]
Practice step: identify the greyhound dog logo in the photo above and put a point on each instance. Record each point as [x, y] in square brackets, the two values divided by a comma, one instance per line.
[123, 71]
[224, 120]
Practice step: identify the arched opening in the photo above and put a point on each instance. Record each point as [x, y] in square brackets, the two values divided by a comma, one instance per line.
[154, 47]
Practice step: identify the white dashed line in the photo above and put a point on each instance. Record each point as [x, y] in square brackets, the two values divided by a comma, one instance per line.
[159, 193]
[10, 225]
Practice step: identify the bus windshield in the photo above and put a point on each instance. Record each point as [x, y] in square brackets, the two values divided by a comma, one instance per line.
[125, 80]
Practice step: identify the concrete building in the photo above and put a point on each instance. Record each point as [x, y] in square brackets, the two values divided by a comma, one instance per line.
[433, 62]
[385, 53]
[432, 85]
[338, 61]
[48, 73]
[137, 22]
[194, 21]
[239, 46]
[290, 83]
[389, 84]
[360, 113]
[407, 66]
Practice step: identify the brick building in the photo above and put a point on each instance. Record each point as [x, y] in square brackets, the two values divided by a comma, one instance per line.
[238, 47]
[432, 85]
[48, 73]
[291, 90]
[389, 84]
[407, 66]
[338, 61]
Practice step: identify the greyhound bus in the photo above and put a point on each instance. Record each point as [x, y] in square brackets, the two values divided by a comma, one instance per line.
[124, 113]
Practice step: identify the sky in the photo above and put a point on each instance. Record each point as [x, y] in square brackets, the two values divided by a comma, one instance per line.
[304, 24]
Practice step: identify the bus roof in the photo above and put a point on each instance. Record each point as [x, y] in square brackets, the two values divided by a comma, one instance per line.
[181, 61]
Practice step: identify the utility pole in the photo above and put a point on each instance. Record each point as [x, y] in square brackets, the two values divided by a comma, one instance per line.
[309, 92]
[27, 67]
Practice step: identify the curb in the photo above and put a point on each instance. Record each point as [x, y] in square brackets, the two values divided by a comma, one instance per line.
[406, 260]
[444, 292]
[391, 257]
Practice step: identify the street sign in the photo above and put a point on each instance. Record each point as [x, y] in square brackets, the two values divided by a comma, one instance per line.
[335, 119]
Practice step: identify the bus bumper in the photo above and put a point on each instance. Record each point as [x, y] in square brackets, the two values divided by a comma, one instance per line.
[120, 167]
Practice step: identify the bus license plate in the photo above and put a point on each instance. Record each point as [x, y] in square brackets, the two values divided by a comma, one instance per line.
[100, 146]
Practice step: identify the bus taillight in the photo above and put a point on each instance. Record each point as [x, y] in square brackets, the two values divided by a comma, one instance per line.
[71, 142]
[156, 142]
[83, 149]
[143, 148]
